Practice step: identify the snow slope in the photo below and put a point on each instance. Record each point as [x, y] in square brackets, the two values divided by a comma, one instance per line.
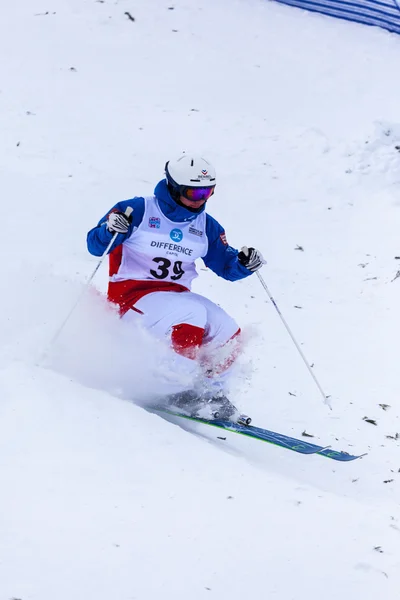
[100, 499]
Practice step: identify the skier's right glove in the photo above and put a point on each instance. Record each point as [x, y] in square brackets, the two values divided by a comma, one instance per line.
[118, 222]
[251, 258]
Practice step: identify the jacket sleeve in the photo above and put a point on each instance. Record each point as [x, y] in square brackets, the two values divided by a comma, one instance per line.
[222, 258]
[99, 237]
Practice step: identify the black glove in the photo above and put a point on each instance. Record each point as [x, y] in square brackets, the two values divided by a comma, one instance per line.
[251, 258]
[118, 222]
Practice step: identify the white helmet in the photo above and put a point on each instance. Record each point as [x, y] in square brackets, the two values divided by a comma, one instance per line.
[190, 171]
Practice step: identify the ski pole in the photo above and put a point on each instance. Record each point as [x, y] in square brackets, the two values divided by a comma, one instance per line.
[128, 212]
[325, 397]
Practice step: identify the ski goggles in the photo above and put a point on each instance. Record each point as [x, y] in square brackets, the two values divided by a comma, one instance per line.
[196, 194]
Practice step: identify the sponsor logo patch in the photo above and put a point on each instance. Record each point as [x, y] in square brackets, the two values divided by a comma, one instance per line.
[154, 222]
[172, 248]
[176, 235]
[223, 239]
[195, 231]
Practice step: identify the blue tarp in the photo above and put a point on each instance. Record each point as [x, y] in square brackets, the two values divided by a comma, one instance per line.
[382, 13]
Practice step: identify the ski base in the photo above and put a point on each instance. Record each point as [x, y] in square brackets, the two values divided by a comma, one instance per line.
[265, 435]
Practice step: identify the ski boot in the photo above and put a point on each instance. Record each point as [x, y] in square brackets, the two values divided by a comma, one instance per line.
[216, 407]
[222, 408]
[187, 401]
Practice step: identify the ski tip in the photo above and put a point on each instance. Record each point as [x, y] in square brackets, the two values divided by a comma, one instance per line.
[339, 455]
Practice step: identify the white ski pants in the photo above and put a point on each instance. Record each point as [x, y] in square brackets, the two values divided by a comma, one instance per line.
[204, 337]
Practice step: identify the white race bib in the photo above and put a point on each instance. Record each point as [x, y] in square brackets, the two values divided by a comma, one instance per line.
[160, 249]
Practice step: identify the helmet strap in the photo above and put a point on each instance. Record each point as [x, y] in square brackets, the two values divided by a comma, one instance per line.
[174, 192]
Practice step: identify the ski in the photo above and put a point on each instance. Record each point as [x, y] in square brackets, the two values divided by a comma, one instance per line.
[265, 435]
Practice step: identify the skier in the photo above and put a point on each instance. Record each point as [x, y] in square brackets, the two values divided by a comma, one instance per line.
[152, 266]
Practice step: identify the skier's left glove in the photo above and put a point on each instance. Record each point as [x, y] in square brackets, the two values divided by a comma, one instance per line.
[251, 258]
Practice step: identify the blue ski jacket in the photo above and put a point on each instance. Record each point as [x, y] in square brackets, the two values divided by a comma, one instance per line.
[220, 258]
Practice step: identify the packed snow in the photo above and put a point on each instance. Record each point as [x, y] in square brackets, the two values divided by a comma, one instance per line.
[299, 114]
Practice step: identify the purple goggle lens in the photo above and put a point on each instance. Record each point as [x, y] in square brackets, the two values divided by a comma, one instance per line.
[196, 194]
